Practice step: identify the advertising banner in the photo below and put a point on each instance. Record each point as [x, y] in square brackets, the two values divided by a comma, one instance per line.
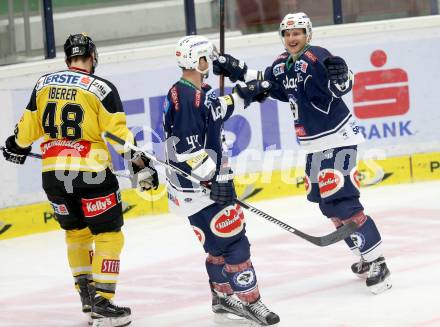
[394, 99]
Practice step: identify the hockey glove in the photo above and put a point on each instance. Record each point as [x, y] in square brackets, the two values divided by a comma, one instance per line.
[147, 176]
[13, 153]
[337, 70]
[223, 190]
[252, 91]
[230, 67]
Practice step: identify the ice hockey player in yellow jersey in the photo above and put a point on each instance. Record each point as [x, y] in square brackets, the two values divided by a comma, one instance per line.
[71, 109]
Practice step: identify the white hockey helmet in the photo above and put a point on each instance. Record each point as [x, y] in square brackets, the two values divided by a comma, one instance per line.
[190, 49]
[296, 20]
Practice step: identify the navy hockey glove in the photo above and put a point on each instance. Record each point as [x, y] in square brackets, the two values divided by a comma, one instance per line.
[252, 91]
[13, 153]
[230, 67]
[223, 190]
[337, 70]
[147, 176]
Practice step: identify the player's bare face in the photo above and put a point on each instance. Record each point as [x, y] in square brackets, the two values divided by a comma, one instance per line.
[203, 64]
[295, 40]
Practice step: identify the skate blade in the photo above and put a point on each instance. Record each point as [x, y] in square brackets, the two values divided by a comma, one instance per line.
[381, 287]
[111, 322]
[229, 318]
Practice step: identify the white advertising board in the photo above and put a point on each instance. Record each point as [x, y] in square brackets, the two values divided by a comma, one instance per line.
[394, 99]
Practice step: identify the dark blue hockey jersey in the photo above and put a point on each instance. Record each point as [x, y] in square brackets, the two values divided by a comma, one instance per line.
[193, 121]
[322, 119]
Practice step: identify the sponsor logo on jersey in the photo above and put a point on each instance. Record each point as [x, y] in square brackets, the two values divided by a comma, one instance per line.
[175, 97]
[173, 199]
[60, 209]
[85, 81]
[301, 65]
[330, 181]
[245, 278]
[228, 222]
[311, 56]
[97, 206]
[307, 184]
[278, 69]
[289, 83]
[197, 98]
[355, 178]
[100, 89]
[110, 266]
[199, 233]
[65, 147]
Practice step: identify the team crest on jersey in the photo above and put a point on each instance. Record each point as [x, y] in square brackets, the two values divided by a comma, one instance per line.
[330, 181]
[278, 69]
[301, 65]
[300, 131]
[228, 222]
[355, 178]
[199, 233]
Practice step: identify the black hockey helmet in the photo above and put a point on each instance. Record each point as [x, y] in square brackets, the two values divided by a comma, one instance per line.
[80, 45]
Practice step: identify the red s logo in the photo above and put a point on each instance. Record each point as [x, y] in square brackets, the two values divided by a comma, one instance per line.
[380, 93]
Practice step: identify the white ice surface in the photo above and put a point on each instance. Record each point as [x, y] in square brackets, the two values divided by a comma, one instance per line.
[164, 281]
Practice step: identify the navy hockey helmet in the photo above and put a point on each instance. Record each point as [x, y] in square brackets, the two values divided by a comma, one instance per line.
[80, 45]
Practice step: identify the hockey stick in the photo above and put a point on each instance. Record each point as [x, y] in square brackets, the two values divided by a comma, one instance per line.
[325, 240]
[222, 43]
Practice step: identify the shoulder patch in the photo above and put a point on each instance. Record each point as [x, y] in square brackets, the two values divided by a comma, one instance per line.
[311, 56]
[40, 83]
[97, 87]
[282, 56]
[175, 97]
[278, 69]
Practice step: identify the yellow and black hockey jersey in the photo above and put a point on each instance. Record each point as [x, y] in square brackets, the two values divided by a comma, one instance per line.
[71, 109]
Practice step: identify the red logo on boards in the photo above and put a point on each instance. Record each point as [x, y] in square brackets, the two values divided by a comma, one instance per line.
[110, 266]
[380, 93]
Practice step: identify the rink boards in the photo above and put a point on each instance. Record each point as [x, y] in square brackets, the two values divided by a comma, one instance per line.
[39, 217]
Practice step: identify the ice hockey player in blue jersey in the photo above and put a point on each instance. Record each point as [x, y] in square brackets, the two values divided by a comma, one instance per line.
[313, 81]
[193, 120]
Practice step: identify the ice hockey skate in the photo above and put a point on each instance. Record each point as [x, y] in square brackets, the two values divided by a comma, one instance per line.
[361, 268]
[106, 314]
[226, 307]
[260, 314]
[85, 291]
[378, 279]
